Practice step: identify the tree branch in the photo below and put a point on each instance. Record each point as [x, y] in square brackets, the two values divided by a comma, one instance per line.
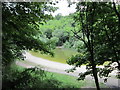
[78, 37]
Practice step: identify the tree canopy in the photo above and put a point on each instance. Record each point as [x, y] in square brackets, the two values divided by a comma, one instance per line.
[93, 30]
[99, 24]
[21, 30]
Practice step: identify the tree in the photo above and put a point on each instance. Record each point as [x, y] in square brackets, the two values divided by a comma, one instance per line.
[48, 33]
[87, 19]
[107, 40]
[117, 52]
[100, 38]
[62, 35]
[21, 29]
[58, 16]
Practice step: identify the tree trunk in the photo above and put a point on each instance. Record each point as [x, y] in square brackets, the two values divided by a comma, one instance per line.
[94, 70]
[95, 77]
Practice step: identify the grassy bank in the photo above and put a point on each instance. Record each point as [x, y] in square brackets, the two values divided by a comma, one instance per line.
[61, 55]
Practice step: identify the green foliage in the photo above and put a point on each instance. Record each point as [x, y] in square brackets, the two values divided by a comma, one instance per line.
[77, 60]
[32, 78]
[67, 44]
[64, 23]
[77, 44]
[58, 16]
[20, 25]
[98, 25]
[62, 35]
[21, 31]
[17, 77]
[83, 75]
[67, 81]
[59, 27]
[48, 33]
[118, 76]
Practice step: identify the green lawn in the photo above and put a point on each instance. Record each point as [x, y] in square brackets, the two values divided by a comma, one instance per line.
[66, 80]
[70, 81]
[61, 55]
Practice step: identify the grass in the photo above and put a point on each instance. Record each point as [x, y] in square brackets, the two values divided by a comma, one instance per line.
[66, 80]
[106, 63]
[72, 81]
[61, 55]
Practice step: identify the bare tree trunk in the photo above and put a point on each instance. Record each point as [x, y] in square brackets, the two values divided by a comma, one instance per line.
[91, 50]
[94, 70]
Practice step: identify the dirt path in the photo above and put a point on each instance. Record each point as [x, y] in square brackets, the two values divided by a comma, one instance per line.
[61, 68]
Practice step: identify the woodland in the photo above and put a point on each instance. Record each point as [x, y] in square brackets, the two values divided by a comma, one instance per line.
[93, 31]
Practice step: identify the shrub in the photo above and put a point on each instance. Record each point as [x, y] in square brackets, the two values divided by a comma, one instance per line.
[32, 78]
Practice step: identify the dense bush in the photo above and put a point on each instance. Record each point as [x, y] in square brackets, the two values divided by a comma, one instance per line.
[67, 45]
[26, 79]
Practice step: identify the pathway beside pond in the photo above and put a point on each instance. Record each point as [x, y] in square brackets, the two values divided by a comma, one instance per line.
[61, 68]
